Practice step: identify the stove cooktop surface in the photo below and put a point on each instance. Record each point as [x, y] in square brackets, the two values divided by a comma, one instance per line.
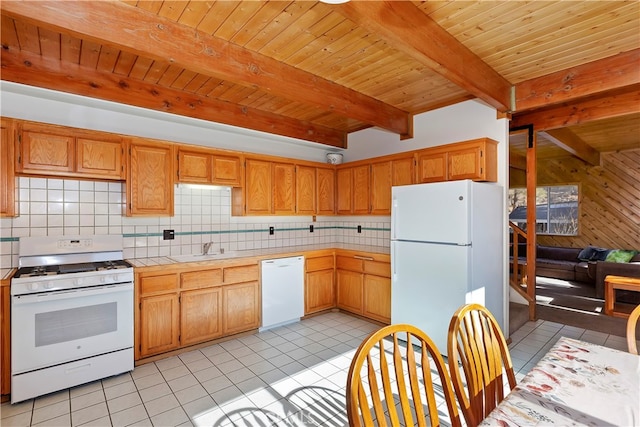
[50, 270]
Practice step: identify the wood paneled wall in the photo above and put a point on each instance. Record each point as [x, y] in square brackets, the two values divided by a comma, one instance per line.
[610, 198]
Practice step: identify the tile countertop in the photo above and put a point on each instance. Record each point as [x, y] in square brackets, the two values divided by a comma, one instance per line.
[265, 252]
[6, 273]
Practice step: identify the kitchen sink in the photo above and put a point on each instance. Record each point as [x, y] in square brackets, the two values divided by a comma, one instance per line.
[200, 257]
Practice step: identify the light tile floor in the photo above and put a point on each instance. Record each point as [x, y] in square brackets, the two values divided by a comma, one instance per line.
[294, 375]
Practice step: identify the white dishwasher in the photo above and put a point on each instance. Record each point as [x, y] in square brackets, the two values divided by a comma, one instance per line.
[282, 291]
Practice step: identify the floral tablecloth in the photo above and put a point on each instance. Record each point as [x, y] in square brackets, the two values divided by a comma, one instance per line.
[575, 383]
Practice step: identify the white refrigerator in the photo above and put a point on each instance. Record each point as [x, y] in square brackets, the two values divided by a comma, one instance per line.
[446, 251]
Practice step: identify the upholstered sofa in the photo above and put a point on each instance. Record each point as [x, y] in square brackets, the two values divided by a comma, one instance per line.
[604, 269]
[563, 263]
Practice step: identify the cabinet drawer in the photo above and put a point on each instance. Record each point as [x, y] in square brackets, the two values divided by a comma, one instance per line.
[377, 268]
[320, 263]
[152, 284]
[200, 279]
[348, 263]
[243, 273]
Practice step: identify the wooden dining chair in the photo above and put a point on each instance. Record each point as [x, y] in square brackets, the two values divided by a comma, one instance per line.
[632, 321]
[479, 361]
[392, 381]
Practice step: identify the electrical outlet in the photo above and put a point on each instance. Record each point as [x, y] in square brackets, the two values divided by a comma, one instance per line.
[271, 230]
[359, 229]
[168, 235]
[311, 228]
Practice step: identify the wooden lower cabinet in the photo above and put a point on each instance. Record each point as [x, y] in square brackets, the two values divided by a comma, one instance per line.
[349, 291]
[364, 285]
[319, 285]
[200, 315]
[241, 307]
[377, 298]
[159, 324]
[319, 291]
[182, 306]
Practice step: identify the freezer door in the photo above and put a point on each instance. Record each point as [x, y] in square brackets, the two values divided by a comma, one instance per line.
[428, 284]
[436, 212]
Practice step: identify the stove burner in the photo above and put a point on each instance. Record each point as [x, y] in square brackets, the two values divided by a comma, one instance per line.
[110, 265]
[39, 271]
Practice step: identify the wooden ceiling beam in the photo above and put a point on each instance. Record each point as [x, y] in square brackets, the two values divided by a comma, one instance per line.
[606, 74]
[411, 31]
[137, 31]
[35, 70]
[614, 104]
[573, 144]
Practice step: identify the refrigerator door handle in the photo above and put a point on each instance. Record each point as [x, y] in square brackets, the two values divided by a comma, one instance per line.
[395, 209]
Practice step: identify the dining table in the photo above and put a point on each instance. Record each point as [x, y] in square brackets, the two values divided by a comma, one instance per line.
[576, 383]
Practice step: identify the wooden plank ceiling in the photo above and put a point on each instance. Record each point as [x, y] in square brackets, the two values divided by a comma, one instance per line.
[317, 72]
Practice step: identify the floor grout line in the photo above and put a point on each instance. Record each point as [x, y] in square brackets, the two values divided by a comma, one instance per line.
[184, 390]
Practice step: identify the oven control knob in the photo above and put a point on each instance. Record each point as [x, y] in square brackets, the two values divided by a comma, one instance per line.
[77, 282]
[32, 286]
[103, 279]
[48, 285]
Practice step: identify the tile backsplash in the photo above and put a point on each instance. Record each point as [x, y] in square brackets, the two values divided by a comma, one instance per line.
[202, 214]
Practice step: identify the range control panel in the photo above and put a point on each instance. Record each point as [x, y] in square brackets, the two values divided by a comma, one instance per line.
[75, 243]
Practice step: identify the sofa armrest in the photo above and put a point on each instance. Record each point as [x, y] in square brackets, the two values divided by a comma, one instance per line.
[604, 269]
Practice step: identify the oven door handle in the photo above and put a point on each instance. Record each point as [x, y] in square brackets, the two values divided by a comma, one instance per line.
[71, 293]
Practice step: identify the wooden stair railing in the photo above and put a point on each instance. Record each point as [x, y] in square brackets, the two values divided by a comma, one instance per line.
[519, 280]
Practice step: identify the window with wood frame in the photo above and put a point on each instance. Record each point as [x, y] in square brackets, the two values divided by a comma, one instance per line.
[556, 209]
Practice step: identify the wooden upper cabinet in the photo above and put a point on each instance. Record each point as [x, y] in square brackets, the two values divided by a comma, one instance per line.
[99, 158]
[7, 169]
[284, 189]
[60, 151]
[306, 190]
[258, 194]
[194, 167]
[402, 171]
[361, 188]
[326, 191]
[209, 167]
[344, 185]
[476, 160]
[432, 166]
[381, 188]
[150, 179]
[45, 152]
[352, 190]
[227, 170]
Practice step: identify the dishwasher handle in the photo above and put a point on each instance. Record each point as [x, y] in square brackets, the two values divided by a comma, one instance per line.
[282, 262]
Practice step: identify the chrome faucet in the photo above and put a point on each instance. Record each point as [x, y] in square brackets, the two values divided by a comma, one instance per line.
[206, 247]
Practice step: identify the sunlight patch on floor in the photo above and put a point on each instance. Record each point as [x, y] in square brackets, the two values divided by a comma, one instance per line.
[555, 282]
